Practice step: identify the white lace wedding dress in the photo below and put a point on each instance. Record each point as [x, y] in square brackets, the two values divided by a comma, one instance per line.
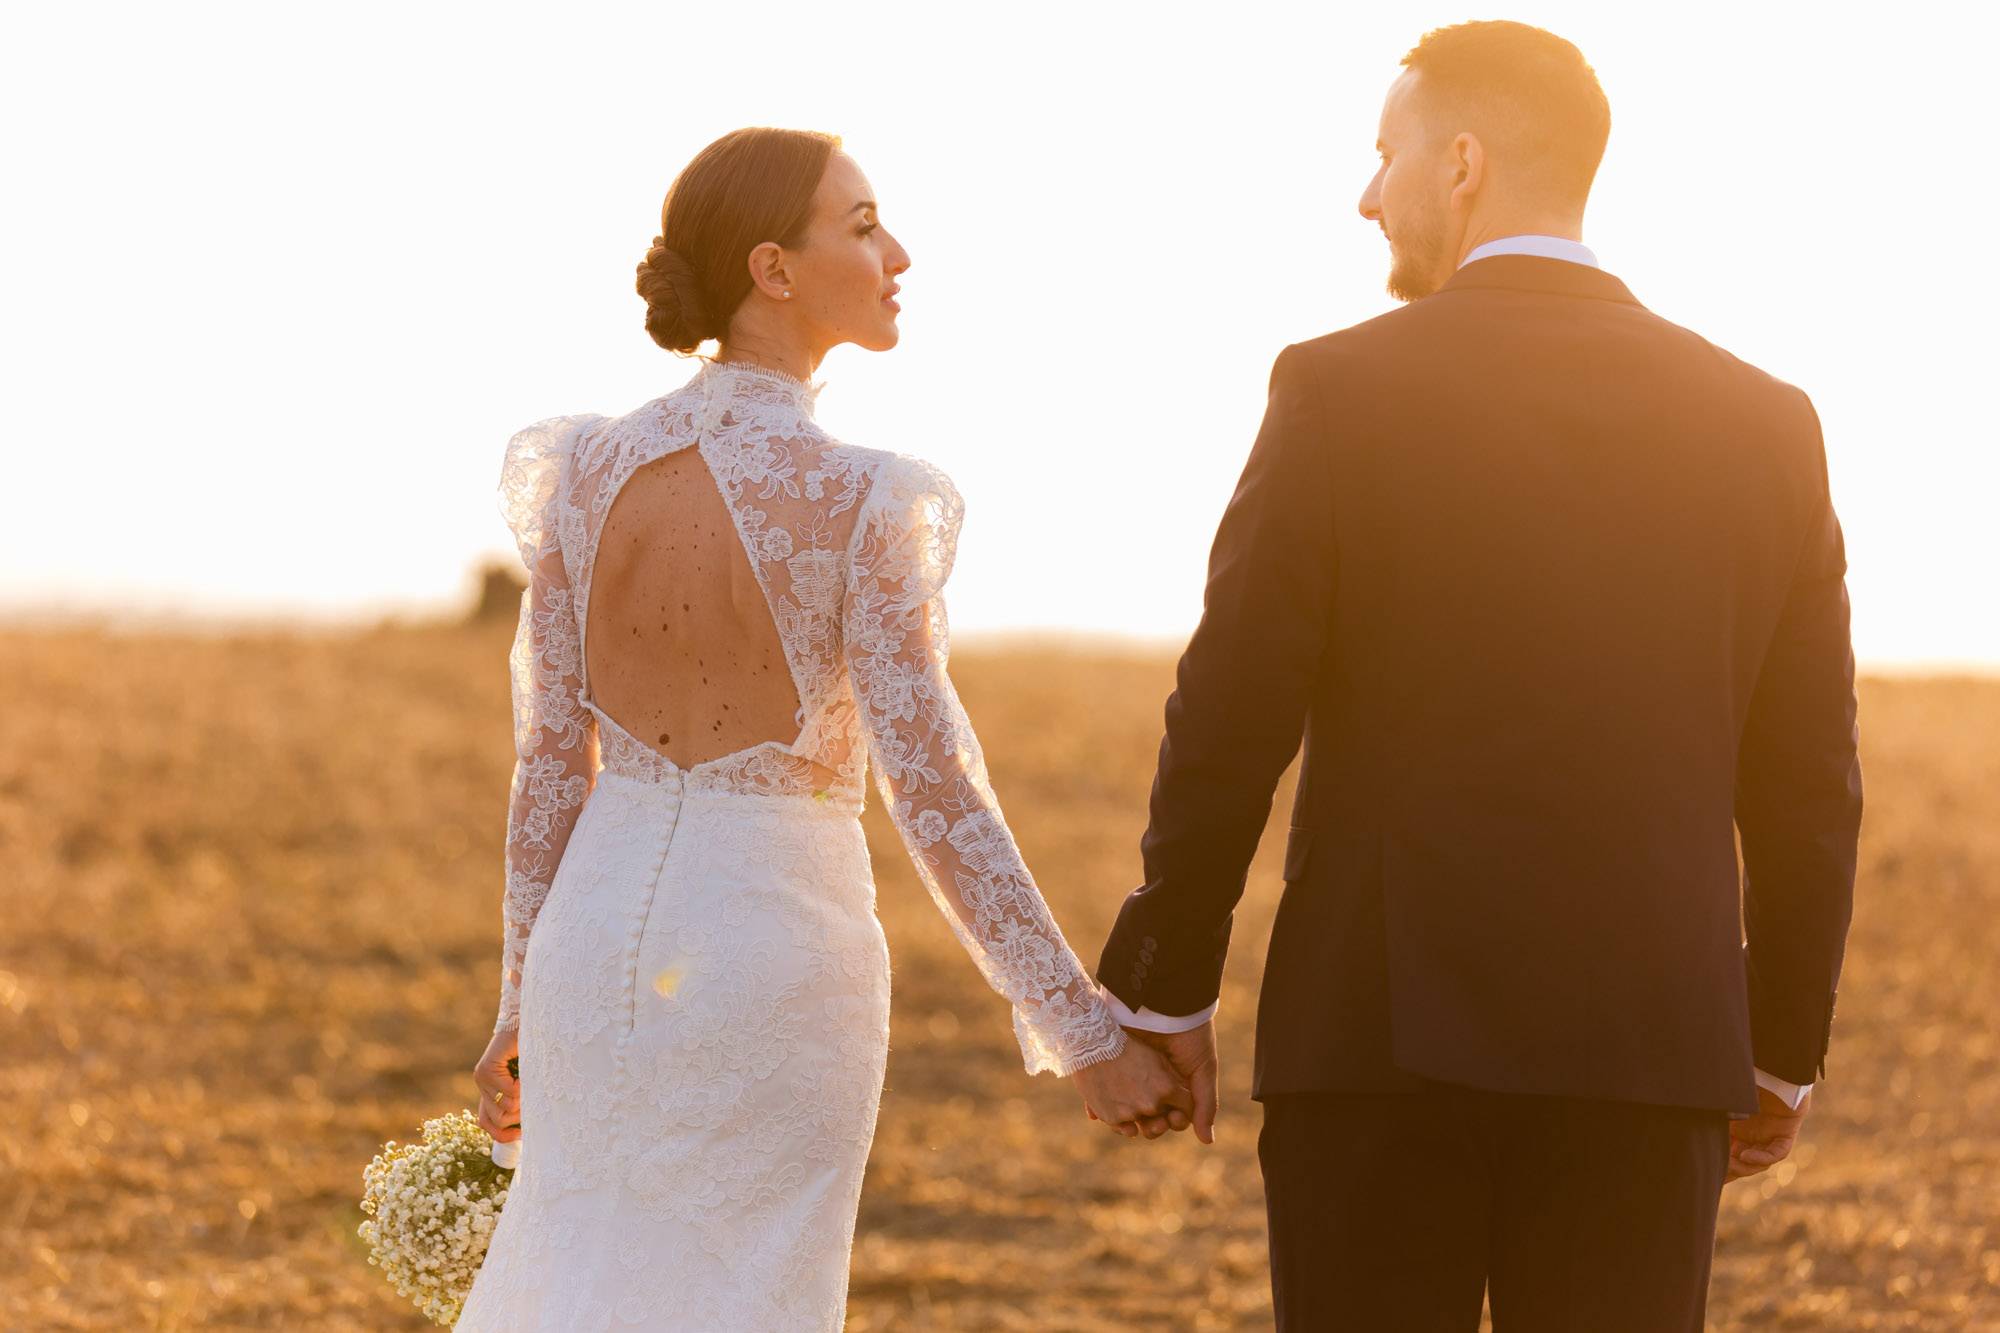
[692, 956]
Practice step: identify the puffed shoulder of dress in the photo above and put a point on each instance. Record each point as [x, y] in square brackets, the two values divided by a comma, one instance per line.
[532, 471]
[910, 522]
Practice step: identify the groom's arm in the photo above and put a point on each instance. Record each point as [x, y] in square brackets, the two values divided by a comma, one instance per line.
[1235, 719]
[1798, 808]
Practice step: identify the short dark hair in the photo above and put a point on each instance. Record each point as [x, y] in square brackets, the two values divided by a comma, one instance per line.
[1527, 93]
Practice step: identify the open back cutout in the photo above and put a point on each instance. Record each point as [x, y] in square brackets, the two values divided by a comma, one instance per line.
[682, 650]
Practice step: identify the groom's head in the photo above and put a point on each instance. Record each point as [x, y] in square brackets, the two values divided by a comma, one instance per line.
[1493, 129]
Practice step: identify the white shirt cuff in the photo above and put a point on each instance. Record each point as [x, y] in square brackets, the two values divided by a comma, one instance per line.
[1147, 1021]
[1791, 1094]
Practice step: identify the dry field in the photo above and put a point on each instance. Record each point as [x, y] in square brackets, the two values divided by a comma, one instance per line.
[248, 930]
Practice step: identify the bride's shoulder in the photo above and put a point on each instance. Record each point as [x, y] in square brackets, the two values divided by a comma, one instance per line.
[891, 480]
[588, 434]
[907, 525]
[550, 438]
[909, 498]
[533, 468]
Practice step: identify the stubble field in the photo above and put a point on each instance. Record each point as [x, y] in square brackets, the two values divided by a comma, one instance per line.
[249, 930]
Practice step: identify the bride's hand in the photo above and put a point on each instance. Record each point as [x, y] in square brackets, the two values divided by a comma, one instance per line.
[1135, 1093]
[499, 1091]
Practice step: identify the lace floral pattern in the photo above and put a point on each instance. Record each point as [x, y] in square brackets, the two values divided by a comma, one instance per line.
[555, 737]
[852, 547]
[933, 777]
[708, 1024]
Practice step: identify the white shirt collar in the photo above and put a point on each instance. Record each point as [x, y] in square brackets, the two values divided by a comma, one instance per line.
[1542, 247]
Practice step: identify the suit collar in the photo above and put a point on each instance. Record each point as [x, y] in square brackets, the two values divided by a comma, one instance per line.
[1531, 273]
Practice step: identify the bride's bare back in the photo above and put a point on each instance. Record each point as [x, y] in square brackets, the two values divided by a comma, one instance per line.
[682, 650]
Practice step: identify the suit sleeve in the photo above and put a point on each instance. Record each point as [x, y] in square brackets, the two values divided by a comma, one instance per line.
[1798, 808]
[1238, 711]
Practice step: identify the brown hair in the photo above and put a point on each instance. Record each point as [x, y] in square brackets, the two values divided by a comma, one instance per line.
[748, 187]
[1528, 93]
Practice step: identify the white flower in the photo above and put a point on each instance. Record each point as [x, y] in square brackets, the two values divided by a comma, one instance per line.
[431, 1208]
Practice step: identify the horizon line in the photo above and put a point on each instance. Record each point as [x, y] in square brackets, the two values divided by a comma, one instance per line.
[309, 622]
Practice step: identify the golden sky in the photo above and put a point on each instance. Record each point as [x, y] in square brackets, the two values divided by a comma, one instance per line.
[281, 279]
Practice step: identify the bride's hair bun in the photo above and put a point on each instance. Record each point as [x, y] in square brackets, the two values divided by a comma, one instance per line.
[746, 188]
[676, 316]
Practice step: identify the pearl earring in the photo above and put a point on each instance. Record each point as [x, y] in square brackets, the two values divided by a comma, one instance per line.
[788, 296]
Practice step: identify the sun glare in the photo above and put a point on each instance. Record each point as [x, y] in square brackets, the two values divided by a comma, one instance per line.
[294, 286]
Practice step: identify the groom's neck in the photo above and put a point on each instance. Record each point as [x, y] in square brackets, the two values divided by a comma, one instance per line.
[1499, 224]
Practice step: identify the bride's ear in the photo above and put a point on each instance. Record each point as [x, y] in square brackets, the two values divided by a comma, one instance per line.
[768, 272]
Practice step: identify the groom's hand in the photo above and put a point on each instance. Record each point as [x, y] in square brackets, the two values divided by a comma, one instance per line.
[1765, 1139]
[1191, 1055]
[1135, 1093]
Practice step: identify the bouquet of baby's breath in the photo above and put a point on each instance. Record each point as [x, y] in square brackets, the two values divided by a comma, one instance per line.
[431, 1211]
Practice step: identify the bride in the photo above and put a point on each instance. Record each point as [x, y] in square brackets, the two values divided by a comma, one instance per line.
[731, 616]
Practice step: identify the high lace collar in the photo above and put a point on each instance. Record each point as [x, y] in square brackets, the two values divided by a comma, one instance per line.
[740, 379]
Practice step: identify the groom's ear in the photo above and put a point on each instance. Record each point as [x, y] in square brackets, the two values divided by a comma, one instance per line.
[1468, 169]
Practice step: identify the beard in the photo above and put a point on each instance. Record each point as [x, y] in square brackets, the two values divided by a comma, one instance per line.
[1416, 255]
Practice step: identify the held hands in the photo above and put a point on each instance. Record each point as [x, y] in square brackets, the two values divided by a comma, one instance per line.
[1191, 1055]
[1162, 1081]
[1765, 1139]
[1135, 1092]
[499, 1091]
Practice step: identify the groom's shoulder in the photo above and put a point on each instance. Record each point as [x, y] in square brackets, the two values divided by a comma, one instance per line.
[1726, 361]
[1411, 336]
[1359, 346]
[1392, 329]
[1772, 401]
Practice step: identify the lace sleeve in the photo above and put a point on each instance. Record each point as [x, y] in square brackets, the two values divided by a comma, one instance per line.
[933, 778]
[555, 739]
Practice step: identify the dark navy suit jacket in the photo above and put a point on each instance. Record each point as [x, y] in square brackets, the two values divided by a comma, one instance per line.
[1551, 589]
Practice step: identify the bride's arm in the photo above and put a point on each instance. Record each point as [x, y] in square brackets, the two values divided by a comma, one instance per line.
[555, 743]
[555, 738]
[933, 779]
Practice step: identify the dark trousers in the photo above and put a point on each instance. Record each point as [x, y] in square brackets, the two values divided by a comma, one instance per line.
[1398, 1212]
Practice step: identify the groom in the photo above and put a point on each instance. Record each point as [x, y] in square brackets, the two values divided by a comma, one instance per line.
[1552, 591]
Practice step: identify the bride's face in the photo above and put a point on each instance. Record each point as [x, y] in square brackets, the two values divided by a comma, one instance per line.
[844, 276]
